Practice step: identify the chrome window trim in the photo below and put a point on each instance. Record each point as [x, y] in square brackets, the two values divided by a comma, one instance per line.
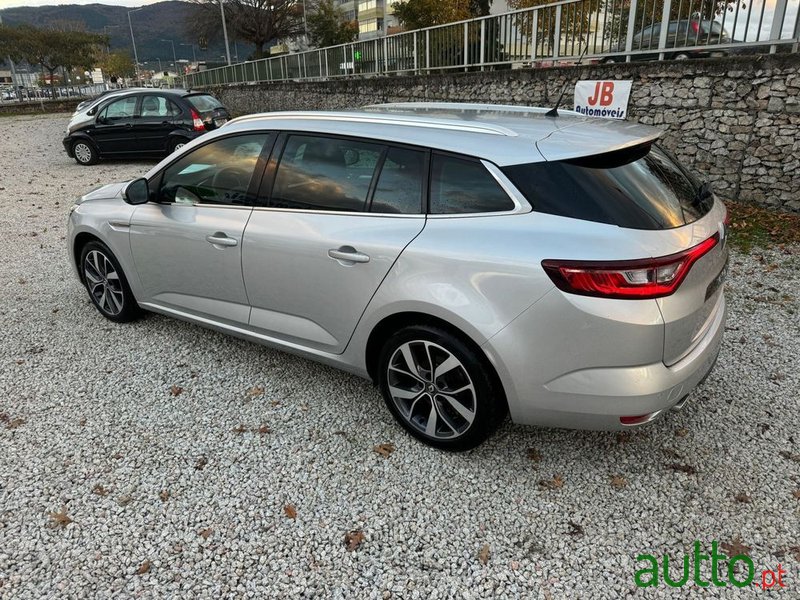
[341, 212]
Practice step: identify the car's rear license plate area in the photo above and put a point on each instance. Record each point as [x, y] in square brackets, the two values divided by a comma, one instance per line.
[717, 282]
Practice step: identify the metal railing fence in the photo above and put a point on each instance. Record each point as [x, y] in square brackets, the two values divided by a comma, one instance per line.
[560, 32]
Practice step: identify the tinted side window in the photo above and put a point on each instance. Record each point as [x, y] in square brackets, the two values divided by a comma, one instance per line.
[120, 109]
[158, 106]
[400, 184]
[217, 173]
[320, 173]
[460, 185]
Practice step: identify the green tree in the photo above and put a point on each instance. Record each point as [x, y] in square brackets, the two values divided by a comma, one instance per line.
[118, 64]
[328, 27]
[51, 48]
[417, 14]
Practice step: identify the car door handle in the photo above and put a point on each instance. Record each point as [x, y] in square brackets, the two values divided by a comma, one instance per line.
[220, 239]
[348, 254]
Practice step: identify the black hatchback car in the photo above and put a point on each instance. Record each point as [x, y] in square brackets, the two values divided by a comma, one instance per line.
[141, 123]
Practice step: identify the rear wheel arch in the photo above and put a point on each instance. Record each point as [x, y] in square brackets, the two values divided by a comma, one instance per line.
[394, 323]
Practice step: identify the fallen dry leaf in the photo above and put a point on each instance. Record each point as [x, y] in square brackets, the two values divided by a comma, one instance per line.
[575, 529]
[60, 519]
[255, 391]
[743, 498]
[239, 429]
[206, 533]
[688, 469]
[353, 539]
[14, 423]
[682, 432]
[795, 550]
[735, 547]
[385, 450]
[201, 462]
[623, 437]
[82, 422]
[143, 568]
[796, 494]
[176, 390]
[264, 429]
[552, 484]
[483, 555]
[4, 418]
[534, 455]
[618, 482]
[672, 453]
[124, 500]
[164, 495]
[790, 456]
[99, 490]
[290, 511]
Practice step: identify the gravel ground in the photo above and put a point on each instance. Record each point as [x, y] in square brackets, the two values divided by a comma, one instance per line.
[159, 459]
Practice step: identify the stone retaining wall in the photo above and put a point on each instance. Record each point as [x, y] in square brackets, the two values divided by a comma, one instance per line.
[735, 121]
[35, 107]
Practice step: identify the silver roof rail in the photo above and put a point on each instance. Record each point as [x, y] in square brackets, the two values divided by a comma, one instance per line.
[464, 106]
[381, 119]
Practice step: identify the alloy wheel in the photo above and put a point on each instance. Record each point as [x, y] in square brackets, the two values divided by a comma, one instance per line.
[103, 283]
[431, 389]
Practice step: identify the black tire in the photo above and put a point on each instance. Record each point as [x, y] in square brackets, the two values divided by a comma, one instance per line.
[85, 153]
[111, 295]
[176, 143]
[481, 398]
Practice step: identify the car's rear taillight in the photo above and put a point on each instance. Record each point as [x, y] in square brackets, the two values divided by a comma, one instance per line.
[197, 122]
[632, 279]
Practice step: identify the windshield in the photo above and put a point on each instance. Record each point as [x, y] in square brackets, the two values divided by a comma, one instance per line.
[638, 190]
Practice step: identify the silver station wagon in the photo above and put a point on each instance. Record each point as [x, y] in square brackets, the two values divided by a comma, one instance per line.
[472, 260]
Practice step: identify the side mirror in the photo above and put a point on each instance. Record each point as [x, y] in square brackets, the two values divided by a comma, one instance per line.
[137, 192]
[92, 111]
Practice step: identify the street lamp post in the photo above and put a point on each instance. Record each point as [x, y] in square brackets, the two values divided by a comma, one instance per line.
[133, 43]
[174, 58]
[194, 54]
[225, 30]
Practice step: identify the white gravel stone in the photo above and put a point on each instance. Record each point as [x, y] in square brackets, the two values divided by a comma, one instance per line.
[97, 409]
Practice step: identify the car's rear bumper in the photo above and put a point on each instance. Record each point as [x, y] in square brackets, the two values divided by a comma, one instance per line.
[597, 397]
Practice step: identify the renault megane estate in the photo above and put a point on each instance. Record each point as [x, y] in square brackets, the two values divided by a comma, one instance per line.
[472, 260]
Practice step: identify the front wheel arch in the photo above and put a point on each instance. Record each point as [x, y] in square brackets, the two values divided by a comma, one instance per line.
[77, 249]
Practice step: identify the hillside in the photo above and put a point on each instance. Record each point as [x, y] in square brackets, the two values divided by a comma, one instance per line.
[163, 20]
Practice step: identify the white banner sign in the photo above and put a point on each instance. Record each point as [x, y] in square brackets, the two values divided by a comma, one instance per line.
[606, 99]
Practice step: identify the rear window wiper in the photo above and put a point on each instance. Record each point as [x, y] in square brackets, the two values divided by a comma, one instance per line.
[705, 191]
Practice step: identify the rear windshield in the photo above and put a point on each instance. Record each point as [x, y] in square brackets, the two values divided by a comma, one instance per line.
[640, 189]
[204, 102]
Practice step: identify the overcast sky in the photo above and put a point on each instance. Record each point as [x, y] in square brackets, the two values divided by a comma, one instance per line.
[10, 3]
